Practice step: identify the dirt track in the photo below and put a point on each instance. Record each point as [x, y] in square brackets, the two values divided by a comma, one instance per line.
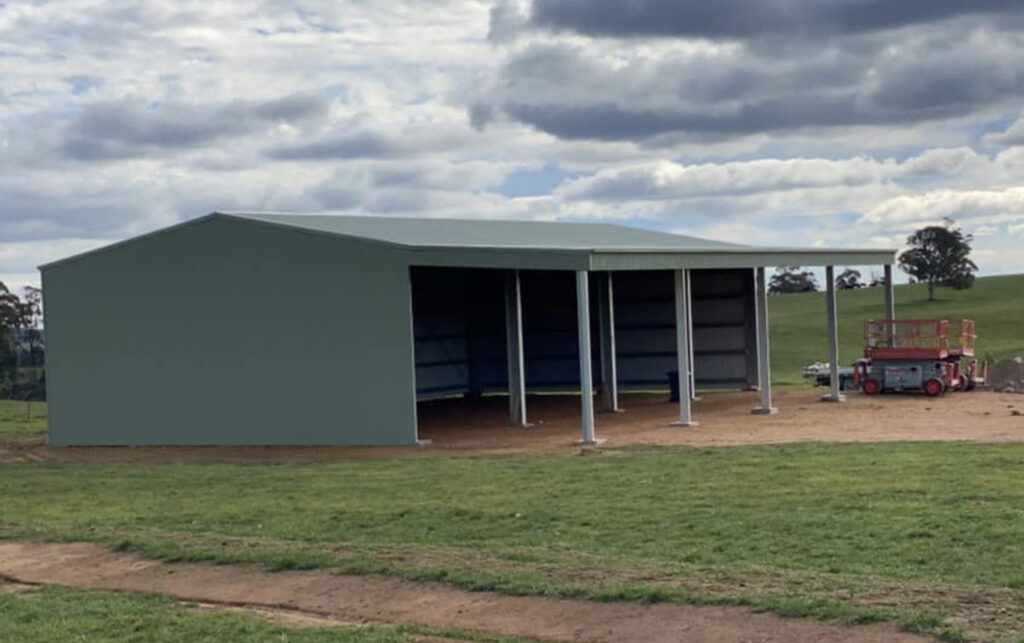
[332, 597]
[477, 427]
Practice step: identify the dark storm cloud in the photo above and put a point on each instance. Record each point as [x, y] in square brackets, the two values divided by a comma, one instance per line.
[132, 129]
[751, 18]
[362, 137]
[354, 145]
[949, 81]
[700, 93]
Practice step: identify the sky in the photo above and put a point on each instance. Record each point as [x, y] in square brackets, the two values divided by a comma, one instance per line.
[822, 123]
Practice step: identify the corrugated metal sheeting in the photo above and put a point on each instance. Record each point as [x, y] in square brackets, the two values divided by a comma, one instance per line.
[460, 334]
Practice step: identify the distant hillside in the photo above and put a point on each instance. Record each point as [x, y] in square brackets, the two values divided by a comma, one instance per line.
[797, 322]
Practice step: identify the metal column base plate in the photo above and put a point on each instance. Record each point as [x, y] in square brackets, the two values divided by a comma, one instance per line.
[595, 442]
[690, 423]
[828, 398]
[763, 411]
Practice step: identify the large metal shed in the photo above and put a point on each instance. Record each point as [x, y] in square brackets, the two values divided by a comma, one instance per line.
[276, 329]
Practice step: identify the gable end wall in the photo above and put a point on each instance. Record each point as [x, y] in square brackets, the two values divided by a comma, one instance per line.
[228, 332]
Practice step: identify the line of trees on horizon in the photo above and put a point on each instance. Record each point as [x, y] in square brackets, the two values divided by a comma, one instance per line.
[936, 255]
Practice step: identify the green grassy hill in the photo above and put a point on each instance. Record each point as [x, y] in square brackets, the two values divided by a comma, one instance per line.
[797, 322]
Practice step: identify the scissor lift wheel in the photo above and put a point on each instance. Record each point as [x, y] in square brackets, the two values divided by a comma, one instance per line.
[871, 386]
[934, 387]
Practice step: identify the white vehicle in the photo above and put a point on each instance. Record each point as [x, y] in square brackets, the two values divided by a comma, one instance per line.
[818, 372]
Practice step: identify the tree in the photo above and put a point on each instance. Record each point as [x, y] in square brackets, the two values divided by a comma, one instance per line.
[30, 320]
[849, 279]
[10, 315]
[792, 279]
[938, 255]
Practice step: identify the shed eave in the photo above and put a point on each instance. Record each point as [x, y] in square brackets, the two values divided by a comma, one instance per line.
[733, 258]
[749, 250]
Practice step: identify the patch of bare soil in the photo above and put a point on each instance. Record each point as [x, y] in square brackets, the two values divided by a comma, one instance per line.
[478, 427]
[17, 589]
[328, 595]
[296, 619]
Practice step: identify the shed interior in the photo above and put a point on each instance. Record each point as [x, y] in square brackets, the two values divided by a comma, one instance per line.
[459, 321]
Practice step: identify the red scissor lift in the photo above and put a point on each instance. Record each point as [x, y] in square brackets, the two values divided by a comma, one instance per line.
[918, 354]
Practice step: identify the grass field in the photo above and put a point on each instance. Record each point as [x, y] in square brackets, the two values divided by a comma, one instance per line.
[52, 614]
[794, 529]
[797, 322]
[21, 418]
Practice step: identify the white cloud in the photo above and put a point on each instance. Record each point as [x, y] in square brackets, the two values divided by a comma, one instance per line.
[120, 119]
[974, 206]
[667, 180]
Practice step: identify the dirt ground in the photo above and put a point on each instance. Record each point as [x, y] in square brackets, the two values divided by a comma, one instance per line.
[478, 427]
[327, 597]
[725, 419]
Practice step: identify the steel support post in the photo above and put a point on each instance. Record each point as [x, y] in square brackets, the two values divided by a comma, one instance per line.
[890, 294]
[606, 318]
[682, 301]
[586, 376]
[764, 369]
[514, 350]
[689, 339]
[833, 337]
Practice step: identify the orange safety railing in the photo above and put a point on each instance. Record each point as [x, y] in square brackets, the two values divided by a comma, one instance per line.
[906, 338]
[965, 338]
[917, 338]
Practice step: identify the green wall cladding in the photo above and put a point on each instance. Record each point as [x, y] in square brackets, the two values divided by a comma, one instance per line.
[221, 332]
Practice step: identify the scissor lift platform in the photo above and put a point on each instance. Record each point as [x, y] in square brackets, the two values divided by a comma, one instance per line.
[918, 354]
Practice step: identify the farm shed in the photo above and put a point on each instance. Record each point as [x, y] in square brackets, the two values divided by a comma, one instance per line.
[279, 329]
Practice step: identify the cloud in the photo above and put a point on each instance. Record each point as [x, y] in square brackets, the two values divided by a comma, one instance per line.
[508, 19]
[446, 189]
[706, 90]
[667, 180]
[362, 137]
[126, 129]
[119, 120]
[1013, 135]
[359, 144]
[979, 206]
[750, 18]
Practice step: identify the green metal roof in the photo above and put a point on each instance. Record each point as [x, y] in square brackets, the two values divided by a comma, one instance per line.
[489, 233]
[594, 246]
[491, 243]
